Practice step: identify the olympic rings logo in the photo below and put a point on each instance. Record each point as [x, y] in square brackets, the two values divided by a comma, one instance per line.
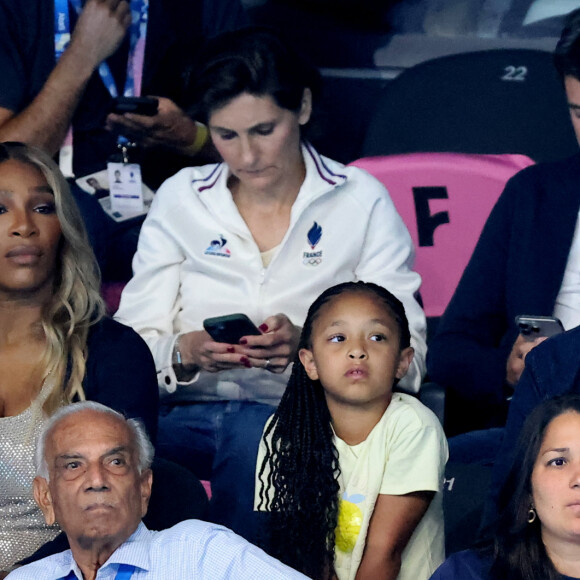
[311, 261]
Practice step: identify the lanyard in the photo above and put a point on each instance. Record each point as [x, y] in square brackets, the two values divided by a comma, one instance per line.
[133, 81]
[137, 40]
[61, 27]
[124, 572]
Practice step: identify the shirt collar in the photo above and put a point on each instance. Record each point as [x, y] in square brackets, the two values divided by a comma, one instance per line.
[129, 552]
[322, 173]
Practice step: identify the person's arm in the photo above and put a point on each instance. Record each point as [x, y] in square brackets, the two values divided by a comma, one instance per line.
[413, 474]
[551, 369]
[171, 127]
[387, 259]
[517, 359]
[99, 31]
[525, 398]
[276, 348]
[273, 350]
[151, 299]
[219, 553]
[467, 353]
[197, 351]
[392, 524]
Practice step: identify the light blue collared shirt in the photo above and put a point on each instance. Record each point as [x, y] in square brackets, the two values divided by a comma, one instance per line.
[191, 549]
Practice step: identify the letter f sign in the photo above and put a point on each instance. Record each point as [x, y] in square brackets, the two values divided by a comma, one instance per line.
[427, 223]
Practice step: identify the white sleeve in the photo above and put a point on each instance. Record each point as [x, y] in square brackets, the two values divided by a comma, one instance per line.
[387, 259]
[149, 302]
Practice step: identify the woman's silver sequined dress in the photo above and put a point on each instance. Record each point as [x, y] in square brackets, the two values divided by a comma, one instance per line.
[22, 527]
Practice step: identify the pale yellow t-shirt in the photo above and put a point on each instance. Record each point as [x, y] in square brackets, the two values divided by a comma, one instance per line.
[405, 452]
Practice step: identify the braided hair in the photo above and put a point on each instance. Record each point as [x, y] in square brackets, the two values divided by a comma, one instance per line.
[301, 465]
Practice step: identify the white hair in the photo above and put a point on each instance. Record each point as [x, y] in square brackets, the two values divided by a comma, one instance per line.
[145, 450]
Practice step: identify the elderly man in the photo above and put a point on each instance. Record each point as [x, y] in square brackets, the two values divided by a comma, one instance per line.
[94, 480]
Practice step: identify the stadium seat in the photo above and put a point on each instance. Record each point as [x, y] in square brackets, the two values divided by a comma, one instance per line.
[444, 199]
[486, 102]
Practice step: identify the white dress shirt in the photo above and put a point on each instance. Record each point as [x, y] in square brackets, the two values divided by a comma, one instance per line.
[189, 550]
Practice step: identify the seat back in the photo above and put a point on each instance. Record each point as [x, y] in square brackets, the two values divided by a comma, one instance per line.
[444, 199]
[465, 489]
[111, 293]
[335, 133]
[486, 102]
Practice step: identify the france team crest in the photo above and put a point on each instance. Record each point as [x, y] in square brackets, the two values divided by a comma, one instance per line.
[313, 257]
[218, 248]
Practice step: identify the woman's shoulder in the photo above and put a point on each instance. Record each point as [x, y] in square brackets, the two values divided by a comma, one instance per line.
[350, 174]
[120, 372]
[190, 179]
[411, 411]
[362, 177]
[409, 425]
[111, 334]
[465, 565]
[111, 344]
[546, 177]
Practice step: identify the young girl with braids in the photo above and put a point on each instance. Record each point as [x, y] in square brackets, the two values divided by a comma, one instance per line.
[349, 470]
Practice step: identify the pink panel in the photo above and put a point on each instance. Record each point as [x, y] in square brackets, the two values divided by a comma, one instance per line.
[207, 486]
[111, 293]
[473, 184]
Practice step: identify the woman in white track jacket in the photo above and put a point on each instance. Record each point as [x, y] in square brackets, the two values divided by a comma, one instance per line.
[262, 233]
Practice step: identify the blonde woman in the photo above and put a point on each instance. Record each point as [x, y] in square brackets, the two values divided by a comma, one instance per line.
[55, 344]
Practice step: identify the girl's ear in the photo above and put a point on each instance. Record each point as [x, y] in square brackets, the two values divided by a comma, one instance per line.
[405, 359]
[308, 363]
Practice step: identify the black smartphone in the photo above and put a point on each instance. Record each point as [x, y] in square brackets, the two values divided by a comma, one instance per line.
[230, 328]
[532, 327]
[139, 105]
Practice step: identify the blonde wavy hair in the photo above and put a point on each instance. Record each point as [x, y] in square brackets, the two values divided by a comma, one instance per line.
[76, 302]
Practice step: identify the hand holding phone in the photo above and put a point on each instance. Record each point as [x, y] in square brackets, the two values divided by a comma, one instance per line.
[147, 106]
[532, 327]
[230, 328]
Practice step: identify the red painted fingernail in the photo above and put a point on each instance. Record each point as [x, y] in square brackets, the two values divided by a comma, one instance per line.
[263, 327]
[231, 349]
[246, 362]
[243, 341]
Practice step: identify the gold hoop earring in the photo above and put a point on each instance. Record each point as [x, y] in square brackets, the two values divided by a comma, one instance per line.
[532, 515]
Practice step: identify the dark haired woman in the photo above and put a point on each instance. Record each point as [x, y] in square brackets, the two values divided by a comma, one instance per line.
[262, 233]
[538, 532]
